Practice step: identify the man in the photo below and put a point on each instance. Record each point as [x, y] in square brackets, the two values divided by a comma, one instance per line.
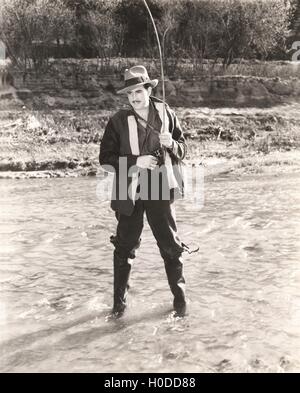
[138, 143]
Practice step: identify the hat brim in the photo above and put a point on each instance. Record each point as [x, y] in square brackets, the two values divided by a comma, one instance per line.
[153, 83]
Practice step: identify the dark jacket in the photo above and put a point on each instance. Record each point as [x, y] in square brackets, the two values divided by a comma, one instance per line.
[115, 144]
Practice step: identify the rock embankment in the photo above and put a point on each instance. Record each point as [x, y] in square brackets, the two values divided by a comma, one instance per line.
[235, 91]
[71, 85]
[52, 125]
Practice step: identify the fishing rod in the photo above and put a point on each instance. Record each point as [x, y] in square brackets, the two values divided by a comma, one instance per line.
[161, 66]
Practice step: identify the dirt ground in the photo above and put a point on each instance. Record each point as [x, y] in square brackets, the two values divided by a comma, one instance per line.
[64, 142]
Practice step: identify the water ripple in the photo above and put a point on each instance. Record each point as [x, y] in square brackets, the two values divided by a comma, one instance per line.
[242, 286]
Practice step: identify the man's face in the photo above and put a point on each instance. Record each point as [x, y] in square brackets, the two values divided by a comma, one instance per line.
[139, 97]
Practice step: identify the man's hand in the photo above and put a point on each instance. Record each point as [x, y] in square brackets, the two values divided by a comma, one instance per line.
[146, 162]
[166, 140]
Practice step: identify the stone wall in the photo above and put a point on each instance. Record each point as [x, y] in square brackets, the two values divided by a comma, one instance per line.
[69, 85]
[233, 90]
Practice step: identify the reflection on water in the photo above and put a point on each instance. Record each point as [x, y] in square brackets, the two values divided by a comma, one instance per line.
[243, 285]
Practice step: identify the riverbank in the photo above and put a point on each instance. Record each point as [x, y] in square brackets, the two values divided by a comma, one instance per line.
[65, 143]
[274, 163]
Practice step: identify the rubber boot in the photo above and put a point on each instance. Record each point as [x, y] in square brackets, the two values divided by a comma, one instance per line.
[174, 270]
[122, 268]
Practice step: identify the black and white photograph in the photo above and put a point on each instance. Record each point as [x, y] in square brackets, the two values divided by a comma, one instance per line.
[150, 189]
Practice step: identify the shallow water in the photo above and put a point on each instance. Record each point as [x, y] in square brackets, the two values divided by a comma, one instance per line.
[242, 286]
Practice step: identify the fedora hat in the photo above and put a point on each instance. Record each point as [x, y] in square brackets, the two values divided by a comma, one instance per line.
[136, 76]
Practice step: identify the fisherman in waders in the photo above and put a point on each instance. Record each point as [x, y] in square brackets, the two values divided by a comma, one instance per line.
[145, 159]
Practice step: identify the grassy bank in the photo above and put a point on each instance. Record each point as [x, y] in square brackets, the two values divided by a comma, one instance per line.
[61, 143]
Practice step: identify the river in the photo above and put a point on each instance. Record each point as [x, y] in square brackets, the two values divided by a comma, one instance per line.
[243, 286]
